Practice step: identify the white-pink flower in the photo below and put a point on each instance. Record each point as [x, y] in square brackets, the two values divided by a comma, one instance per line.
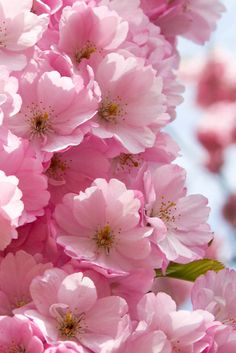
[193, 19]
[38, 238]
[214, 133]
[177, 289]
[224, 339]
[17, 334]
[75, 169]
[20, 29]
[171, 331]
[180, 220]
[18, 158]
[130, 168]
[67, 309]
[53, 109]
[146, 41]
[86, 31]
[100, 227]
[132, 108]
[16, 273]
[11, 208]
[10, 101]
[216, 293]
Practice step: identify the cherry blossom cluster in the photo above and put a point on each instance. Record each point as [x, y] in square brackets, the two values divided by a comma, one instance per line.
[216, 95]
[91, 202]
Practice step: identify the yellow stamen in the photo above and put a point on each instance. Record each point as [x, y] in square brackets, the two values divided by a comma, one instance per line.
[57, 168]
[104, 238]
[109, 111]
[85, 52]
[165, 212]
[230, 322]
[20, 303]
[40, 124]
[3, 34]
[16, 349]
[128, 159]
[70, 325]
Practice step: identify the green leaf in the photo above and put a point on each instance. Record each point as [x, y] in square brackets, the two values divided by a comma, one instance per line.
[192, 270]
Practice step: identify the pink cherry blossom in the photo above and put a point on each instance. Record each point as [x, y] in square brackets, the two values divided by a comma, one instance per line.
[20, 30]
[216, 79]
[68, 309]
[91, 206]
[107, 237]
[10, 101]
[38, 238]
[18, 158]
[215, 133]
[16, 273]
[144, 38]
[87, 31]
[151, 342]
[11, 208]
[130, 168]
[193, 19]
[214, 161]
[53, 110]
[75, 169]
[171, 331]
[181, 231]
[132, 287]
[146, 41]
[177, 289]
[215, 292]
[121, 111]
[18, 335]
[224, 340]
[56, 61]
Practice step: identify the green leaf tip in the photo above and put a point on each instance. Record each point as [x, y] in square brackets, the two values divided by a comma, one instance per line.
[191, 271]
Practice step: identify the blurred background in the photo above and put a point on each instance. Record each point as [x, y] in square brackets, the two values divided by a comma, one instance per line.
[205, 128]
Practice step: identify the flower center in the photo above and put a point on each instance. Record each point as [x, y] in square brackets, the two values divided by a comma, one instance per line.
[110, 110]
[128, 160]
[16, 349]
[70, 325]
[20, 303]
[3, 34]
[85, 52]
[230, 322]
[177, 347]
[127, 163]
[165, 211]
[40, 124]
[104, 238]
[57, 168]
